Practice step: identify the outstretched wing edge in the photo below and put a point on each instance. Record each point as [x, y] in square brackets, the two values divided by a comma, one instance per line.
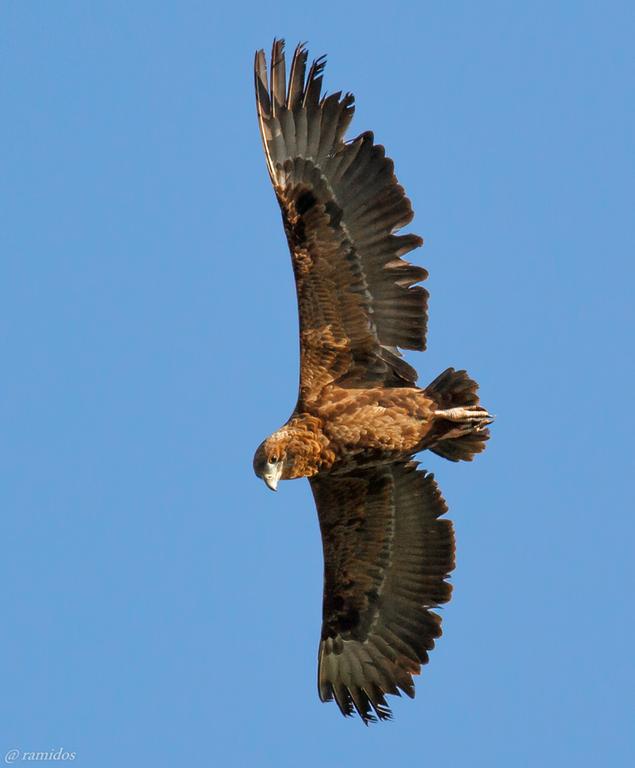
[341, 205]
[387, 555]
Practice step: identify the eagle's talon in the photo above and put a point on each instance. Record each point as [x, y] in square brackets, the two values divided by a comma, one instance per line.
[469, 419]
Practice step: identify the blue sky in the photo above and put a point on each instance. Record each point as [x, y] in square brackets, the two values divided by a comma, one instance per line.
[160, 606]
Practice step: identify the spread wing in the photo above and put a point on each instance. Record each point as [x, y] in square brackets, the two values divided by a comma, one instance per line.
[386, 559]
[341, 205]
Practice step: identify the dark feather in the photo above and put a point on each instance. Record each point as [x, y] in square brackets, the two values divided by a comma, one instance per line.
[382, 537]
[356, 295]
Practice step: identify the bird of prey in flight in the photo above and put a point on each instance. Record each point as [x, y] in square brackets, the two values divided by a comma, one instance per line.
[360, 417]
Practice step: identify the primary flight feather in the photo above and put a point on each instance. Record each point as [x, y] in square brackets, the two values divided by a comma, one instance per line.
[360, 417]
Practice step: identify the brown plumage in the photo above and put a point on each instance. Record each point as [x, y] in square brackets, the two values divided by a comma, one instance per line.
[360, 417]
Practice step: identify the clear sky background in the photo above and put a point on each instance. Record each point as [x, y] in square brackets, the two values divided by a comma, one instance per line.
[159, 605]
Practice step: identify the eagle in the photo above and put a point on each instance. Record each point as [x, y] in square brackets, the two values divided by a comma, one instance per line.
[360, 417]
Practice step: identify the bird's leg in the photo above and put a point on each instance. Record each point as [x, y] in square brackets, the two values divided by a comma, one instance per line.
[470, 418]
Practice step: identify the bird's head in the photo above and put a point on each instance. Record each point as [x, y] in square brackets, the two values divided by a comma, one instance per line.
[272, 459]
[296, 450]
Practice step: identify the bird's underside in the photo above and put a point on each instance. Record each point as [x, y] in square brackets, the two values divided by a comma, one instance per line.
[393, 423]
[360, 416]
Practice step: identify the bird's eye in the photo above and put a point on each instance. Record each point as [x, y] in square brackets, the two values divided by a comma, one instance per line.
[274, 460]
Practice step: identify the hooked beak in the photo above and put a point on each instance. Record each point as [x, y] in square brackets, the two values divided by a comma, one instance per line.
[272, 474]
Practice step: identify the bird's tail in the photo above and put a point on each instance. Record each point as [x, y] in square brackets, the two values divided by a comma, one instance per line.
[459, 432]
